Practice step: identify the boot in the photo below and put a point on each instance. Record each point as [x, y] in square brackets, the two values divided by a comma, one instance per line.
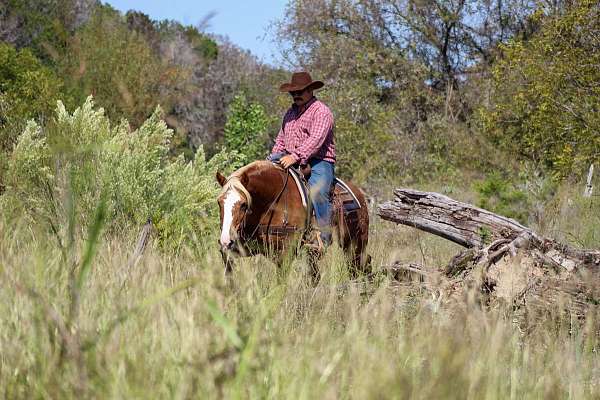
[320, 239]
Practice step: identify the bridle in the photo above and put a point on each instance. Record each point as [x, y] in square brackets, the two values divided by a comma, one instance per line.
[270, 209]
[234, 182]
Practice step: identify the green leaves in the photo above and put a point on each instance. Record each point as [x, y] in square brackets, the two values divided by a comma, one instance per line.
[82, 154]
[245, 130]
[28, 90]
[547, 93]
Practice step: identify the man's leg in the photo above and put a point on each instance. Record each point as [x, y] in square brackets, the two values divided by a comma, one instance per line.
[320, 181]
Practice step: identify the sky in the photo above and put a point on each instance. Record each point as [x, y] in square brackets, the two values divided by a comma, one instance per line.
[244, 22]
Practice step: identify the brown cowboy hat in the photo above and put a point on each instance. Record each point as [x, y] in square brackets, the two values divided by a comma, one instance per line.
[300, 81]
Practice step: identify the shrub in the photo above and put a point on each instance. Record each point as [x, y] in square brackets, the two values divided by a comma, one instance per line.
[245, 129]
[28, 90]
[500, 195]
[546, 99]
[81, 156]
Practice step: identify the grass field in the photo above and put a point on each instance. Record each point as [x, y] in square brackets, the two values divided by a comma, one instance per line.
[82, 323]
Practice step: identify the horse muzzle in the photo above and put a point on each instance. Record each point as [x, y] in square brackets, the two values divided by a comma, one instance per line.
[229, 246]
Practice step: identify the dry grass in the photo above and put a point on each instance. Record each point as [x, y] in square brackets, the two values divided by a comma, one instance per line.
[172, 327]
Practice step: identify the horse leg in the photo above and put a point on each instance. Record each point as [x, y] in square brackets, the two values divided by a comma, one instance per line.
[361, 263]
[227, 261]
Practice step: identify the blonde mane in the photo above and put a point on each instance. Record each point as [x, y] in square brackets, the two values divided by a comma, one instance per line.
[234, 182]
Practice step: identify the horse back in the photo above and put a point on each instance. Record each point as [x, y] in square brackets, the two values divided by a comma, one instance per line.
[350, 219]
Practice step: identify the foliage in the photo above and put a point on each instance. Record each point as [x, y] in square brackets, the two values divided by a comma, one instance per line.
[362, 134]
[119, 68]
[446, 37]
[547, 93]
[44, 26]
[499, 195]
[206, 47]
[28, 90]
[83, 158]
[245, 129]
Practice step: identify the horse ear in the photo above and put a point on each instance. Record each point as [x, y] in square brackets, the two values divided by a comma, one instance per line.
[221, 179]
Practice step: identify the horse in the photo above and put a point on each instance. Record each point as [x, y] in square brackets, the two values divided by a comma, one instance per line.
[262, 211]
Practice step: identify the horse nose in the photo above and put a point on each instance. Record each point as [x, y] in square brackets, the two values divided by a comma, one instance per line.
[227, 245]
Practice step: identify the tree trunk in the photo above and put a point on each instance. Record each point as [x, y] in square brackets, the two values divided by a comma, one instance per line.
[545, 273]
[474, 227]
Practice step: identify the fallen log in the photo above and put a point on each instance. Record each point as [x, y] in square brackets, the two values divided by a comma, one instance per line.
[543, 271]
[476, 228]
[440, 215]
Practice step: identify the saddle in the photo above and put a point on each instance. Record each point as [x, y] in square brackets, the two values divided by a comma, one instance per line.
[344, 201]
[343, 198]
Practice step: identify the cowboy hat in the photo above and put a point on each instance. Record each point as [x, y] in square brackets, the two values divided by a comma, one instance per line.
[300, 81]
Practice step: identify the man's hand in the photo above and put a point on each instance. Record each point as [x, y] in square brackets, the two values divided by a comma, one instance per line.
[287, 161]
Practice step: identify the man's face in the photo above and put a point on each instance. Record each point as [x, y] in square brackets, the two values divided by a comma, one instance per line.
[301, 97]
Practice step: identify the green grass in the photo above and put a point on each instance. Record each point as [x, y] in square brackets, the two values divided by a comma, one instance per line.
[85, 325]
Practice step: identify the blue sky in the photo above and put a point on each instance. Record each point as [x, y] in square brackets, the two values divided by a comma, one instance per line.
[244, 22]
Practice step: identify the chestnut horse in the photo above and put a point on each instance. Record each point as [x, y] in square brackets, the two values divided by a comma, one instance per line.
[262, 212]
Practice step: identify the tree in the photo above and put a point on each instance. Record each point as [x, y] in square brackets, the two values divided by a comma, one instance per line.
[447, 37]
[28, 90]
[245, 129]
[547, 93]
[119, 68]
[43, 25]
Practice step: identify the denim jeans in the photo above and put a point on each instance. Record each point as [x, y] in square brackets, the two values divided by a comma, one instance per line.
[320, 181]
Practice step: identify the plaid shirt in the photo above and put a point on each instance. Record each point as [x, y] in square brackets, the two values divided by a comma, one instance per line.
[307, 134]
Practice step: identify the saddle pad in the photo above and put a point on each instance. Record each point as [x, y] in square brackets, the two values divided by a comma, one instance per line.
[342, 192]
[346, 196]
[302, 188]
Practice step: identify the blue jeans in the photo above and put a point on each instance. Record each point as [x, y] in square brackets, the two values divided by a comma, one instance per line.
[320, 181]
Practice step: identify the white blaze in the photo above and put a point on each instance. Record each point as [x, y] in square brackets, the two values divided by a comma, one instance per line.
[231, 198]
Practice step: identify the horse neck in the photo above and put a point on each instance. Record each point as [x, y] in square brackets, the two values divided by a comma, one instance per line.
[265, 185]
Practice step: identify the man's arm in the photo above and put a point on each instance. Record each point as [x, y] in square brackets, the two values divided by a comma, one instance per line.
[320, 128]
[279, 143]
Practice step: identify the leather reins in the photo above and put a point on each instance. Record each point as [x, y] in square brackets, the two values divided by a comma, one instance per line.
[270, 209]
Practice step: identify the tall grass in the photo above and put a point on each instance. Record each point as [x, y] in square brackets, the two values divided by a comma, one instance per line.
[173, 327]
[79, 319]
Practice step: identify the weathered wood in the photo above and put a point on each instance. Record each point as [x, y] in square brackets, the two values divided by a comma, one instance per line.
[456, 221]
[474, 227]
[141, 244]
[589, 187]
[546, 273]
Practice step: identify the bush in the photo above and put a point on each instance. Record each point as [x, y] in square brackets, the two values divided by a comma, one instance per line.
[546, 99]
[83, 158]
[246, 129]
[500, 195]
[28, 90]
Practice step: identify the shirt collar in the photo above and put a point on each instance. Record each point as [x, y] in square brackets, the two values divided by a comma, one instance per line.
[306, 106]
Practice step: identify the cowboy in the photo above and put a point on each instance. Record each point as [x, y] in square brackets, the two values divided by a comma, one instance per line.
[306, 137]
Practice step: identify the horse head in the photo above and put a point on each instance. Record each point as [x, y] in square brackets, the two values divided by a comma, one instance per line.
[234, 204]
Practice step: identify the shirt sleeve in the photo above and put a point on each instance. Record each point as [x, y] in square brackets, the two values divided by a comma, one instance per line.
[279, 142]
[321, 126]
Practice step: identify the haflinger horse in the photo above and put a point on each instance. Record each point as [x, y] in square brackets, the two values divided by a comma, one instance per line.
[264, 212]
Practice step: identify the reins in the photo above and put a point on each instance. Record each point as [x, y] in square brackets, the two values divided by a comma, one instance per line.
[269, 209]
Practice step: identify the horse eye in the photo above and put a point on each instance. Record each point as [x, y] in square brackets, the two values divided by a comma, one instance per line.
[244, 206]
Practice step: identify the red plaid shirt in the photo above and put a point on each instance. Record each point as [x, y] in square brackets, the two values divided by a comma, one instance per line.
[307, 134]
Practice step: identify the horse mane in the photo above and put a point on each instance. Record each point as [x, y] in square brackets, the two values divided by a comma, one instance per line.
[234, 181]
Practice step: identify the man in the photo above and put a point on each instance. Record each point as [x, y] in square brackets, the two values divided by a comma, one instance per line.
[306, 137]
